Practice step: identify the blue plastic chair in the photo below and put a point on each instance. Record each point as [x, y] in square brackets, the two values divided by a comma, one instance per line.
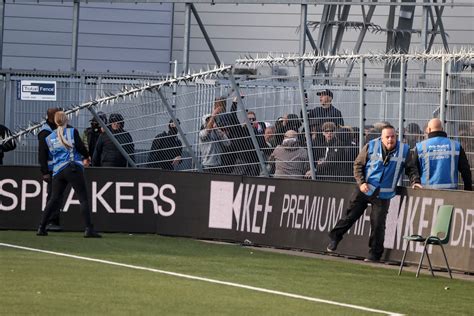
[439, 235]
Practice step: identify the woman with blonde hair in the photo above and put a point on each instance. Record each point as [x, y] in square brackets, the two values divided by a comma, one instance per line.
[68, 152]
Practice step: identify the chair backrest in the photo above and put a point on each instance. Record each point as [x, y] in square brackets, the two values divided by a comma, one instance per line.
[442, 226]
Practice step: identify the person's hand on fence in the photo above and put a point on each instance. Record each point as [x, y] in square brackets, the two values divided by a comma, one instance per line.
[176, 161]
[86, 162]
[417, 186]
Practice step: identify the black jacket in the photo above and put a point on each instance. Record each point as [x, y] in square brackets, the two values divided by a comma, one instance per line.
[107, 155]
[164, 149]
[4, 133]
[43, 151]
[319, 115]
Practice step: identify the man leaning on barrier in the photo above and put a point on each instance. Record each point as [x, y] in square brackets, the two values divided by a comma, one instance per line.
[439, 159]
[377, 169]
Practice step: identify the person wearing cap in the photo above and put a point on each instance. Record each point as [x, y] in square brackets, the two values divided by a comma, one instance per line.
[166, 149]
[326, 112]
[92, 133]
[106, 154]
[45, 161]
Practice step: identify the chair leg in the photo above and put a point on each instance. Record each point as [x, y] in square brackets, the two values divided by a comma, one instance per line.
[429, 261]
[403, 258]
[446, 259]
[421, 261]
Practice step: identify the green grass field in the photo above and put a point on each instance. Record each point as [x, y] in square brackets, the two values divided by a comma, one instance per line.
[47, 284]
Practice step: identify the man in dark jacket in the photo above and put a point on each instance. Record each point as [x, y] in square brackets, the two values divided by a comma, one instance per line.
[106, 154]
[326, 112]
[92, 133]
[46, 166]
[7, 146]
[166, 149]
[439, 159]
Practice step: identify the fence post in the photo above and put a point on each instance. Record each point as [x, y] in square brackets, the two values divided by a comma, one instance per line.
[362, 105]
[241, 108]
[187, 36]
[180, 131]
[442, 100]
[307, 132]
[75, 35]
[401, 108]
[112, 137]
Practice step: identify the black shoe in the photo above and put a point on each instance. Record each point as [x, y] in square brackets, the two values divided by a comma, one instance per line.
[91, 233]
[41, 232]
[54, 228]
[332, 246]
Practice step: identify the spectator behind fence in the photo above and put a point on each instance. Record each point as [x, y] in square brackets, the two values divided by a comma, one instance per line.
[413, 134]
[326, 112]
[45, 160]
[289, 122]
[439, 159]
[377, 169]
[349, 140]
[330, 154]
[92, 133]
[291, 161]
[69, 155]
[246, 162]
[106, 154]
[7, 146]
[212, 141]
[466, 138]
[166, 149]
[230, 124]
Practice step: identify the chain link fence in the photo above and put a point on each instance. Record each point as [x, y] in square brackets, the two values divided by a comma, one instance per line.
[202, 124]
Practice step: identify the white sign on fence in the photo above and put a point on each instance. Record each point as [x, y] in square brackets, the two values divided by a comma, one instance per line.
[37, 90]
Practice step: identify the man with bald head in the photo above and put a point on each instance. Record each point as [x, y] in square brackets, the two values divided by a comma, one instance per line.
[46, 163]
[439, 159]
[377, 169]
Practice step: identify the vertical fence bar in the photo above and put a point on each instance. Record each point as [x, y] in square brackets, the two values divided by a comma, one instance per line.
[2, 26]
[401, 108]
[75, 34]
[362, 105]
[303, 21]
[241, 108]
[442, 99]
[180, 131]
[187, 36]
[112, 137]
[304, 111]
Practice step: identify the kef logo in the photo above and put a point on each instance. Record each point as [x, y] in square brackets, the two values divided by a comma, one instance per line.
[249, 206]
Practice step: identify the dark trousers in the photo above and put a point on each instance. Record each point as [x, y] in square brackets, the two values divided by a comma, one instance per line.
[356, 209]
[55, 213]
[72, 176]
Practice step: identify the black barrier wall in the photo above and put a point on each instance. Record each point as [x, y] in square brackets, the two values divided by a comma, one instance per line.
[273, 212]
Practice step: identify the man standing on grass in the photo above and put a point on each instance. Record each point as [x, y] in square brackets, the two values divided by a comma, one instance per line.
[377, 169]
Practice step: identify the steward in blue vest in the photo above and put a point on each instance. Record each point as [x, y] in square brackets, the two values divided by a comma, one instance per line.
[439, 159]
[68, 151]
[377, 169]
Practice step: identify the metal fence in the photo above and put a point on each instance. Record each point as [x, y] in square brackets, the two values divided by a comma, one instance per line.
[245, 132]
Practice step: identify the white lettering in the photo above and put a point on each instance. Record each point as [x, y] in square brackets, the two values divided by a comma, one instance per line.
[268, 207]
[168, 200]
[97, 196]
[152, 198]
[70, 201]
[25, 194]
[119, 197]
[257, 208]
[8, 195]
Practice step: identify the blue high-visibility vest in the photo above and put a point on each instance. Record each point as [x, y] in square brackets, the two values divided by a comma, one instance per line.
[438, 158]
[46, 127]
[383, 176]
[62, 155]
